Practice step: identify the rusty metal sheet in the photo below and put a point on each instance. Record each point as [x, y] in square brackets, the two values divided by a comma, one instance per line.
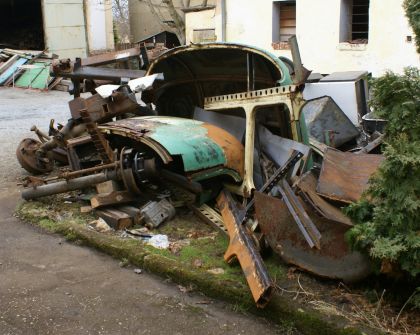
[233, 149]
[307, 186]
[333, 260]
[111, 57]
[344, 176]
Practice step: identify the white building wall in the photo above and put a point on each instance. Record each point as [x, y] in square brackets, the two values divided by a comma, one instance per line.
[99, 26]
[318, 32]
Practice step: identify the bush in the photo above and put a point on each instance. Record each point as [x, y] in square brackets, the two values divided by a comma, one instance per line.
[388, 215]
[412, 11]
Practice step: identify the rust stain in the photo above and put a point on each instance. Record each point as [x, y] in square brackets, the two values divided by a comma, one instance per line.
[344, 176]
[334, 259]
[233, 149]
[243, 248]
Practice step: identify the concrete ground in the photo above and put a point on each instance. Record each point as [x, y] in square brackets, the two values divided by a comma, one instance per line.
[49, 286]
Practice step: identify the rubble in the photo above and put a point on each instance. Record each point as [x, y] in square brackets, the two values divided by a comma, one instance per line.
[243, 143]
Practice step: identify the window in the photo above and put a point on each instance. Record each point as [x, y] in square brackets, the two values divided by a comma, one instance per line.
[204, 35]
[354, 21]
[284, 23]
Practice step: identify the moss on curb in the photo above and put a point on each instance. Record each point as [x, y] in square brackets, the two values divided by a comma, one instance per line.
[281, 310]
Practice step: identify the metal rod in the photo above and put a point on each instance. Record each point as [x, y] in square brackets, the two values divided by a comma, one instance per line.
[299, 223]
[74, 174]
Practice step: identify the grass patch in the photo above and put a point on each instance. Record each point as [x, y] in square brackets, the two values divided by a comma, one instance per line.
[188, 265]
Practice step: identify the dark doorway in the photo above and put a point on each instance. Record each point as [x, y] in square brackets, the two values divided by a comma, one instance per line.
[21, 24]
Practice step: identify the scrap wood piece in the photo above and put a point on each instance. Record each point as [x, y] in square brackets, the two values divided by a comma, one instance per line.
[115, 218]
[242, 247]
[112, 198]
[307, 186]
[344, 176]
[134, 212]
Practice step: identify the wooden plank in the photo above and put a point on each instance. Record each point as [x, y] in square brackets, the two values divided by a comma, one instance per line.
[8, 73]
[133, 212]
[115, 218]
[108, 186]
[112, 198]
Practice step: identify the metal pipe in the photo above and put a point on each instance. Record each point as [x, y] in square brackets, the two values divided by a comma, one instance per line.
[301, 73]
[223, 8]
[66, 186]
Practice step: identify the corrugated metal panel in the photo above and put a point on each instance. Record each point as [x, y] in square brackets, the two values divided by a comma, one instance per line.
[64, 28]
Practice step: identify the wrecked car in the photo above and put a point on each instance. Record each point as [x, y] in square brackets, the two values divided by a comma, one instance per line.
[228, 125]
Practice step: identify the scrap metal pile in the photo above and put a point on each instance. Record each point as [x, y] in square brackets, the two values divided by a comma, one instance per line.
[222, 128]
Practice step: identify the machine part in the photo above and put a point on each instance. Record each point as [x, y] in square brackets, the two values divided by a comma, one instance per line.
[344, 176]
[242, 247]
[201, 146]
[26, 155]
[98, 139]
[41, 135]
[132, 175]
[210, 216]
[323, 115]
[69, 185]
[104, 109]
[81, 153]
[333, 260]
[155, 213]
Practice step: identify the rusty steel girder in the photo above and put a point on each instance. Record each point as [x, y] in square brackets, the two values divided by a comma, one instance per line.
[243, 248]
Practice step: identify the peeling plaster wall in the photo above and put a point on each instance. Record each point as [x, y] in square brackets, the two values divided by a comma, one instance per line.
[318, 32]
[199, 20]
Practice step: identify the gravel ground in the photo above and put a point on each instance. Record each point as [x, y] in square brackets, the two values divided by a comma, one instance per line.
[20, 109]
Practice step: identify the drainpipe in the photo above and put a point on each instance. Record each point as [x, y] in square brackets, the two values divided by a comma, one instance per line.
[223, 8]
